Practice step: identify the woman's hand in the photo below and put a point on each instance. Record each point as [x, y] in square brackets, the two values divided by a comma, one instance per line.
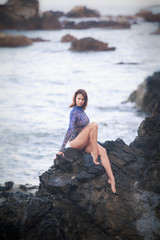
[60, 153]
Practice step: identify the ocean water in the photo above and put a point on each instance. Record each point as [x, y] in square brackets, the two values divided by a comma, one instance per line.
[37, 84]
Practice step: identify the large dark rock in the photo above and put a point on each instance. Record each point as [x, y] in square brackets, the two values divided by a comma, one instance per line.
[25, 15]
[74, 200]
[82, 11]
[147, 94]
[89, 44]
[13, 200]
[19, 14]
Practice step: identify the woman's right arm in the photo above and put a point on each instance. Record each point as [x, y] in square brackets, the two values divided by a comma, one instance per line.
[69, 131]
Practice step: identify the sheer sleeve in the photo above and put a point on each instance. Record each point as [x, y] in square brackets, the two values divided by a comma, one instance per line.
[70, 129]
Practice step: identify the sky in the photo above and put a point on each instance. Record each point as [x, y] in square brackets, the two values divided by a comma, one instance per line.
[66, 5]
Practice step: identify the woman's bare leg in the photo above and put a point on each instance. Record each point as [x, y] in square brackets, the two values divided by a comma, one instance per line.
[86, 136]
[105, 162]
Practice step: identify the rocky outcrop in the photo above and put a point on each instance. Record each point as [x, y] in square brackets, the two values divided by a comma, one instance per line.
[19, 14]
[10, 40]
[25, 15]
[74, 200]
[13, 200]
[96, 24]
[149, 16]
[68, 38]
[89, 44]
[147, 94]
[82, 11]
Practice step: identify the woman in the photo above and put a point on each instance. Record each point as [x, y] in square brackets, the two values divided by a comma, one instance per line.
[83, 135]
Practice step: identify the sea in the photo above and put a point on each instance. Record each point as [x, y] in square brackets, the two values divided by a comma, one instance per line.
[37, 84]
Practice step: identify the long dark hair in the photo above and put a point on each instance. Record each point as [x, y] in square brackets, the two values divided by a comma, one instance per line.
[84, 94]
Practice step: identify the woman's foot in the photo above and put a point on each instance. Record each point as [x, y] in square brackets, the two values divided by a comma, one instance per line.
[112, 182]
[95, 158]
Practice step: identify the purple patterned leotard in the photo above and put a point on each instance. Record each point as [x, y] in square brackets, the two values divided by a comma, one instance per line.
[78, 120]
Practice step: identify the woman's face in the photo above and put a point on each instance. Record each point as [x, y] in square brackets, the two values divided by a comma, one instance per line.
[80, 100]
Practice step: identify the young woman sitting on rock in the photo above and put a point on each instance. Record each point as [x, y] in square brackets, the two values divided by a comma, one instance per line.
[83, 135]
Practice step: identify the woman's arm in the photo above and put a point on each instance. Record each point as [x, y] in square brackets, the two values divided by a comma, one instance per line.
[72, 122]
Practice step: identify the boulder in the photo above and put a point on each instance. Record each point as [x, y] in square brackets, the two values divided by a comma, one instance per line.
[19, 14]
[89, 44]
[68, 38]
[82, 11]
[25, 15]
[149, 16]
[50, 21]
[147, 94]
[10, 40]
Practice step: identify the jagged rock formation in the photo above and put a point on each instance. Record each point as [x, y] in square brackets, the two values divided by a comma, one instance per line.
[147, 94]
[74, 200]
[89, 44]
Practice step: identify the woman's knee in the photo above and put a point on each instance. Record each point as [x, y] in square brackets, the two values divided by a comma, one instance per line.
[94, 125]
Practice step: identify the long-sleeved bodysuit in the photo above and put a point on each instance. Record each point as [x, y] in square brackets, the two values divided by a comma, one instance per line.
[78, 120]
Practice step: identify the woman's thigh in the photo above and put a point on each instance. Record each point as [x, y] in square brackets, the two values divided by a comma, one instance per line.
[82, 140]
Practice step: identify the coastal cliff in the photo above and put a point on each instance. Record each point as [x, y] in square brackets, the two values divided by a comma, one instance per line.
[74, 199]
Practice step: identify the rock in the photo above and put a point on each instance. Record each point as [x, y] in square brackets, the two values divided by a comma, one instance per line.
[25, 15]
[89, 44]
[82, 11]
[149, 16]
[96, 24]
[13, 201]
[68, 38]
[74, 199]
[9, 40]
[8, 185]
[50, 21]
[147, 94]
[19, 14]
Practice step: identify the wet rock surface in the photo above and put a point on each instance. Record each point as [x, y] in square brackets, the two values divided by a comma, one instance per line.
[147, 94]
[74, 199]
[89, 44]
